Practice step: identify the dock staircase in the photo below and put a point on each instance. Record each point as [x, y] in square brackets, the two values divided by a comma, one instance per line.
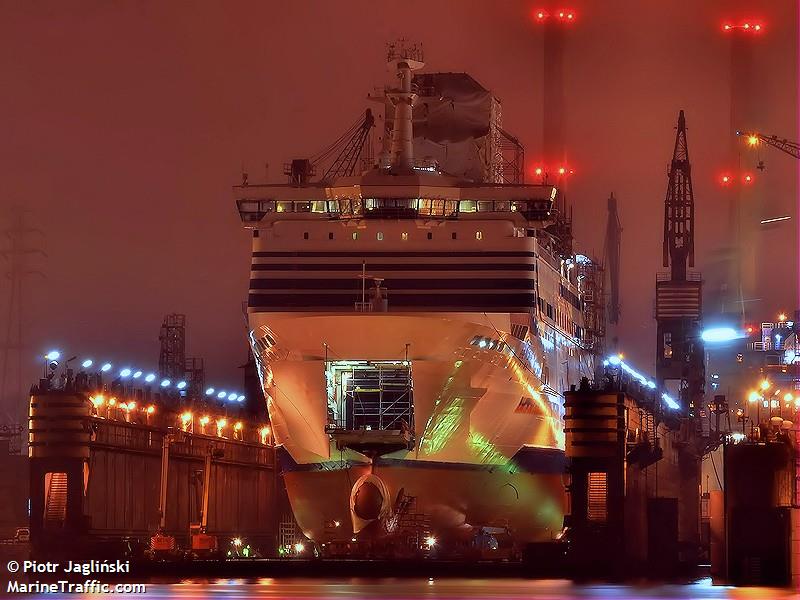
[55, 511]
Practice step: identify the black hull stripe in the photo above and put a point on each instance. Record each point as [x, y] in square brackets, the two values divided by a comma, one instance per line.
[258, 254]
[372, 267]
[392, 284]
[544, 461]
[456, 302]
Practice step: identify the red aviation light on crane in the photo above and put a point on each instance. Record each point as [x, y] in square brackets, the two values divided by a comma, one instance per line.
[750, 26]
[564, 171]
[747, 179]
[565, 15]
[725, 179]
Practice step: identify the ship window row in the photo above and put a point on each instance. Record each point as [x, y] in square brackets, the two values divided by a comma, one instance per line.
[380, 235]
[560, 318]
[485, 343]
[254, 210]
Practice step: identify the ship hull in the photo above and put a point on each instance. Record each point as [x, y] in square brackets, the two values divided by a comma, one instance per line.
[457, 498]
[487, 445]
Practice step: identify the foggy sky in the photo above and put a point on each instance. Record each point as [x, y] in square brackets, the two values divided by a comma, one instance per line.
[125, 124]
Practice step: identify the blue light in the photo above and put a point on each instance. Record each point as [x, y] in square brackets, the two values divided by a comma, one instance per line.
[126, 372]
[53, 355]
[605, 363]
[240, 398]
[165, 382]
[221, 395]
[719, 335]
[614, 360]
[181, 385]
[233, 396]
[651, 385]
[670, 402]
[87, 363]
[137, 374]
[209, 391]
[106, 367]
[150, 378]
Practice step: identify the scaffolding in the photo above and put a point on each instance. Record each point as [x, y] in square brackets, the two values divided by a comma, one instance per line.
[172, 359]
[371, 396]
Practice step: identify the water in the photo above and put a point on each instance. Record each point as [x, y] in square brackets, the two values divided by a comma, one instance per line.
[401, 589]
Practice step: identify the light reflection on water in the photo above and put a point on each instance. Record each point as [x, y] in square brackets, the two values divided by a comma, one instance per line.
[399, 589]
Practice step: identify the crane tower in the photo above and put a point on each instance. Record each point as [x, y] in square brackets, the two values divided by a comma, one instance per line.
[679, 354]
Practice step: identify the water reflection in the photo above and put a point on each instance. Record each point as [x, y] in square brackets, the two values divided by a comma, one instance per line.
[400, 589]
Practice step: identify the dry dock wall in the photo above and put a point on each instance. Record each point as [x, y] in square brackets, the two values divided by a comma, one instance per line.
[97, 477]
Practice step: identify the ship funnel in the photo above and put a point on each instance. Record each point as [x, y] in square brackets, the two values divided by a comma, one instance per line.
[404, 59]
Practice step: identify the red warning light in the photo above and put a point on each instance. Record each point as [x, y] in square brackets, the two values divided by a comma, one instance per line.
[538, 171]
[749, 329]
[748, 178]
[570, 16]
[540, 15]
[725, 179]
[745, 26]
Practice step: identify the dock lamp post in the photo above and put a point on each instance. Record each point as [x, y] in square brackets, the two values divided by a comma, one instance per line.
[755, 398]
[741, 416]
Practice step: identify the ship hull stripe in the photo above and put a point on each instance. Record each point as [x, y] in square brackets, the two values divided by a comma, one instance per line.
[356, 267]
[457, 302]
[549, 461]
[493, 253]
[354, 285]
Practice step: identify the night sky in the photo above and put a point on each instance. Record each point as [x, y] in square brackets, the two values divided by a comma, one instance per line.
[124, 125]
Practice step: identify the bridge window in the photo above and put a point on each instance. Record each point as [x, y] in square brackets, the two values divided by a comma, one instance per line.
[305, 235]
[330, 235]
[430, 235]
[355, 235]
[404, 236]
[380, 236]
[478, 235]
[454, 235]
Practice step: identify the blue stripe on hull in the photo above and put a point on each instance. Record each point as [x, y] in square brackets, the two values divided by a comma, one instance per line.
[550, 461]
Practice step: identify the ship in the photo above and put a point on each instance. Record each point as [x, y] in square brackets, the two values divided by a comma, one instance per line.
[414, 331]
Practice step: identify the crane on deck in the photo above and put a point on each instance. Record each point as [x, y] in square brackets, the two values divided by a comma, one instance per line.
[340, 158]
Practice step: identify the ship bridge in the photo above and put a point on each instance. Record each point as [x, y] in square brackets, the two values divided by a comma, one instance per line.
[411, 196]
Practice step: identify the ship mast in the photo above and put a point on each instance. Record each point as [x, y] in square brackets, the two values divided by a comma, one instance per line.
[404, 59]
